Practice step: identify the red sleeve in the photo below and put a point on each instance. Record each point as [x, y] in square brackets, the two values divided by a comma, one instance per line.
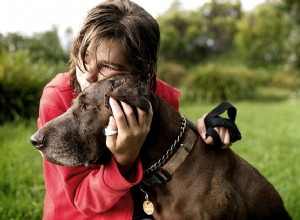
[92, 189]
[168, 93]
[97, 188]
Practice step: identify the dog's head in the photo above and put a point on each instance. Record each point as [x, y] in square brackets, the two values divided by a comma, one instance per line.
[76, 137]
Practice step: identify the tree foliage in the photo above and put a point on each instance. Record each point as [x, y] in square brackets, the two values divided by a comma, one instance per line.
[269, 34]
[292, 7]
[45, 46]
[192, 36]
[262, 35]
[21, 84]
[26, 65]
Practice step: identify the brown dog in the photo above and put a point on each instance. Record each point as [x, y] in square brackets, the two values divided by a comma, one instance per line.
[185, 179]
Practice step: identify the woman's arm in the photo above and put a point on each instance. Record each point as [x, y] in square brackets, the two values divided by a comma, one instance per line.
[92, 189]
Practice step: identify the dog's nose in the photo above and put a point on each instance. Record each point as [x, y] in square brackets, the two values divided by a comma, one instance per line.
[38, 140]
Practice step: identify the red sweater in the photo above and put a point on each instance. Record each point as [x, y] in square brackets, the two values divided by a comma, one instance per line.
[96, 191]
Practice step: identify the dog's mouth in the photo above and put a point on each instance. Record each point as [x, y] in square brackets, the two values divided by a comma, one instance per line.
[74, 162]
[66, 157]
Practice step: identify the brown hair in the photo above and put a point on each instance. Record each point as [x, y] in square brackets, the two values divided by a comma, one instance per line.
[126, 22]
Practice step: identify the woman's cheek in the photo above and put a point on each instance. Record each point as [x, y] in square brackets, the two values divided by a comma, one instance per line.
[81, 79]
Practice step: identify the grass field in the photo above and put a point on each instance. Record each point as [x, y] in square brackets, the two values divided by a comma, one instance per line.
[270, 143]
[21, 177]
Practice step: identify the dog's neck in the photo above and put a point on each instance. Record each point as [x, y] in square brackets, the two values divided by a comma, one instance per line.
[164, 130]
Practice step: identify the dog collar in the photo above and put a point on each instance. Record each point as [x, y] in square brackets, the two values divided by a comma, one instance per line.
[162, 171]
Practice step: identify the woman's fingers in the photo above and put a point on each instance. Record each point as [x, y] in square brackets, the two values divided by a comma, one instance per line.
[130, 117]
[226, 141]
[145, 118]
[133, 127]
[202, 129]
[120, 118]
[223, 132]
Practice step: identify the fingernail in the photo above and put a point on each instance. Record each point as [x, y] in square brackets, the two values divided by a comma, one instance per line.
[111, 100]
[110, 120]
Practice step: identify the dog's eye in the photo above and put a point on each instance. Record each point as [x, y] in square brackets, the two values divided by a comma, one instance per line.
[83, 106]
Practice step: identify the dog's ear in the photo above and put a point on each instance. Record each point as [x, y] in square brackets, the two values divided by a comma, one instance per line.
[131, 90]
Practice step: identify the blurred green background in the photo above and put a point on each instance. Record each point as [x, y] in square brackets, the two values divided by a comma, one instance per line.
[215, 52]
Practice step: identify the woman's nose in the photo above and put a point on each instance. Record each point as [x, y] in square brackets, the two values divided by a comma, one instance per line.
[91, 77]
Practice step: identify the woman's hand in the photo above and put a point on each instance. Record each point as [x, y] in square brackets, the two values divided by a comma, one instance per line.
[132, 132]
[223, 132]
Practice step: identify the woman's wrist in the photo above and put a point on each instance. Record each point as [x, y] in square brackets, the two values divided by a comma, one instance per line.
[125, 168]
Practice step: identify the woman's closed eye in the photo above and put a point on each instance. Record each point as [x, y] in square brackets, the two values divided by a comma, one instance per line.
[107, 66]
[107, 69]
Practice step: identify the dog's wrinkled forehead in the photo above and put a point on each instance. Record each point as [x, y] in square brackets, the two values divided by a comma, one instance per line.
[131, 89]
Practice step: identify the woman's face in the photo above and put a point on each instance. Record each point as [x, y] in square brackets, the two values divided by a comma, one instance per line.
[105, 60]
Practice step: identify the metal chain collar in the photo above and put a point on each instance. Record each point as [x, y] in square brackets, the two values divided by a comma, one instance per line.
[162, 160]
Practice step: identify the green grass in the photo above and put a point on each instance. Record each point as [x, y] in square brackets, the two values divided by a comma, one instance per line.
[270, 142]
[21, 178]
